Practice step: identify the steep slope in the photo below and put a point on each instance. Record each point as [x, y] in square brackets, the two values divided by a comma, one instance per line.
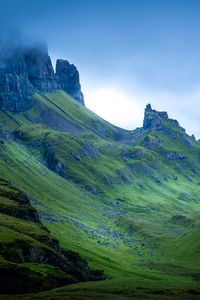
[124, 200]
[26, 68]
[31, 259]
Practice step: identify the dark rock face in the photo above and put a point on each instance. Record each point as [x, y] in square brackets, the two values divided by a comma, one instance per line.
[15, 93]
[175, 156]
[87, 151]
[153, 143]
[27, 69]
[159, 120]
[124, 176]
[15, 89]
[68, 79]
[40, 69]
[153, 119]
[55, 164]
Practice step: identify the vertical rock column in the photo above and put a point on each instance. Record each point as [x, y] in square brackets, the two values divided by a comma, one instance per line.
[68, 79]
[40, 69]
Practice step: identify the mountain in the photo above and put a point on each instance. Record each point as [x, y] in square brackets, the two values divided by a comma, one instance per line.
[25, 69]
[127, 202]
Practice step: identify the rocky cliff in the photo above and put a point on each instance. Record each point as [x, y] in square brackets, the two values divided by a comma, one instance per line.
[68, 79]
[39, 68]
[157, 119]
[27, 69]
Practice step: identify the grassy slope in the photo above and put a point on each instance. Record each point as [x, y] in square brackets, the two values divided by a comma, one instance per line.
[127, 227]
[20, 232]
[30, 258]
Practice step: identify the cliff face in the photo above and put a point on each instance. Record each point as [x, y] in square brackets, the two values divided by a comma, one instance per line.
[25, 70]
[68, 79]
[16, 90]
[15, 93]
[156, 119]
[40, 70]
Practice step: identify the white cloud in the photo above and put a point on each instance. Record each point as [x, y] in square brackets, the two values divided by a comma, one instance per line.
[115, 106]
[126, 109]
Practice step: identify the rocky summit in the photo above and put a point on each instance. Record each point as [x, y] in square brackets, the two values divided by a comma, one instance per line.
[155, 119]
[26, 69]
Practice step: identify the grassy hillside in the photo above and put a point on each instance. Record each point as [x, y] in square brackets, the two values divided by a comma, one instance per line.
[127, 201]
[30, 258]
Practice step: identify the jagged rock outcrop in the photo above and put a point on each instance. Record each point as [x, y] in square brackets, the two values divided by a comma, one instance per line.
[68, 79]
[175, 156]
[39, 68]
[153, 118]
[54, 164]
[16, 93]
[157, 119]
[27, 69]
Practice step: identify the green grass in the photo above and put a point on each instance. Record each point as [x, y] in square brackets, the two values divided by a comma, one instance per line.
[127, 226]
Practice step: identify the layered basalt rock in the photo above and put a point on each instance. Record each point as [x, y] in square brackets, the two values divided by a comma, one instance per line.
[27, 69]
[16, 93]
[40, 70]
[68, 79]
[157, 119]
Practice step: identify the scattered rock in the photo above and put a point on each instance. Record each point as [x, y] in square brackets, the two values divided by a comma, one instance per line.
[153, 143]
[109, 181]
[134, 153]
[175, 156]
[55, 164]
[175, 178]
[124, 176]
[158, 181]
[88, 150]
[92, 189]
[180, 219]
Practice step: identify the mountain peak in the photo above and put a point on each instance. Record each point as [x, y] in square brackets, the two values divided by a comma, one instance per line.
[148, 107]
[26, 68]
[154, 119]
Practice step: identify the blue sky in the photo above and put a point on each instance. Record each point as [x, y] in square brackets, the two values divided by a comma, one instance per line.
[128, 52]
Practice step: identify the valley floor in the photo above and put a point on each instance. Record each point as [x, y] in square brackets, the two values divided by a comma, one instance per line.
[122, 288]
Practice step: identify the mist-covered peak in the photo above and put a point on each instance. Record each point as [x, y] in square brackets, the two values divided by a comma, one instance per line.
[26, 67]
